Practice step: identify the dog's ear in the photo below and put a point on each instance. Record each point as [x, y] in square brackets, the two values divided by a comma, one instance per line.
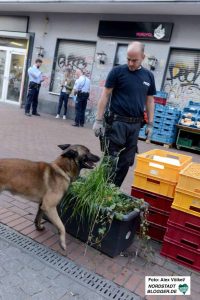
[70, 154]
[64, 146]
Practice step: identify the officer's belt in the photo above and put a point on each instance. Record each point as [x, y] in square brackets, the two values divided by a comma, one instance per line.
[35, 84]
[83, 93]
[127, 119]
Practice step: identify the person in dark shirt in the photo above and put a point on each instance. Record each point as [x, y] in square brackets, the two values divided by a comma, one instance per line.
[128, 90]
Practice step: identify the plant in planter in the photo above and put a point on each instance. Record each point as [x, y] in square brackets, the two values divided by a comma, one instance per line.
[97, 212]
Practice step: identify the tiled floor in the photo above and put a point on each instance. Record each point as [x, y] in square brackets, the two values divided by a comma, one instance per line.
[36, 138]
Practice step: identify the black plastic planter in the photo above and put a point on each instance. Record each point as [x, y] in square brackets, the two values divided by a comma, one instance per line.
[118, 238]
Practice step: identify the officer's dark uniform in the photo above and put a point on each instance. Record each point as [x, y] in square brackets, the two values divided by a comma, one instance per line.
[35, 77]
[130, 91]
[32, 97]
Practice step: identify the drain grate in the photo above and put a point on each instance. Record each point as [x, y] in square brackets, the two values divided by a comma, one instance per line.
[89, 279]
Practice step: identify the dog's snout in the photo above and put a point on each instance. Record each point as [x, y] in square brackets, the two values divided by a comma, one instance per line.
[93, 157]
[97, 158]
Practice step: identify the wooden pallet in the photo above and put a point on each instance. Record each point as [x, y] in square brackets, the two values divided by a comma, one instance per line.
[167, 146]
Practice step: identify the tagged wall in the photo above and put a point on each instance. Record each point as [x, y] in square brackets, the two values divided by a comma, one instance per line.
[83, 27]
[182, 80]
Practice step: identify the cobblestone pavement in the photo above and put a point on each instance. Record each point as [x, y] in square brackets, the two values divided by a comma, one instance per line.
[36, 138]
[25, 277]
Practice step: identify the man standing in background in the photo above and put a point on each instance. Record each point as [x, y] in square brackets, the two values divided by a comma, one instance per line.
[35, 79]
[81, 90]
[128, 89]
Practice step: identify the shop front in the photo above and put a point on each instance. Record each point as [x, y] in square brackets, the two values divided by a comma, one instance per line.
[16, 45]
[95, 43]
[12, 69]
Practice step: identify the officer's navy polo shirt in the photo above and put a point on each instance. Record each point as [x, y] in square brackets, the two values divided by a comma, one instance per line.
[130, 90]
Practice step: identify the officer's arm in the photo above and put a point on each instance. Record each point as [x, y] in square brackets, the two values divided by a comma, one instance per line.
[150, 108]
[105, 96]
[76, 86]
[31, 72]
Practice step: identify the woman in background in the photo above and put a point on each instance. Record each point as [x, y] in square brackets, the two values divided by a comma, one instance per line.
[66, 88]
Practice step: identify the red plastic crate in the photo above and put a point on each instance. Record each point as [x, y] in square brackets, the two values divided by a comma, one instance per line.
[183, 237]
[157, 201]
[181, 254]
[160, 100]
[185, 220]
[157, 217]
[156, 232]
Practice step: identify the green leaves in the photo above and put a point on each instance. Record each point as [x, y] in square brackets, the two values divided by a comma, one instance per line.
[95, 198]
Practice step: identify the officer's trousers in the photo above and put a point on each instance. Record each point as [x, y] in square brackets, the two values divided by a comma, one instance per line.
[121, 141]
[32, 98]
[80, 107]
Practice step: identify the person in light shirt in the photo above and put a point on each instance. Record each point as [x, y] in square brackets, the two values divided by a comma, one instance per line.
[81, 90]
[35, 79]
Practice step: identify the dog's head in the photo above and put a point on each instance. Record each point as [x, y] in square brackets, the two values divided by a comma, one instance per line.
[80, 154]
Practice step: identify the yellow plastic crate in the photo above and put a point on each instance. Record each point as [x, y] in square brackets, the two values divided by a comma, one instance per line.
[189, 179]
[162, 164]
[149, 183]
[187, 201]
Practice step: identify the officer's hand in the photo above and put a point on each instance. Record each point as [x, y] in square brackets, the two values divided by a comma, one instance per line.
[98, 127]
[149, 130]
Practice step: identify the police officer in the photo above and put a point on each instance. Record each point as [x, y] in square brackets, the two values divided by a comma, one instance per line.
[81, 89]
[129, 88]
[35, 79]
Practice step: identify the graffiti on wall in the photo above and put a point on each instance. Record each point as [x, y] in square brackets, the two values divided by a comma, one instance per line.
[73, 63]
[182, 82]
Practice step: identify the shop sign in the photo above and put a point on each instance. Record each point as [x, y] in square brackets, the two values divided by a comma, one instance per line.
[153, 31]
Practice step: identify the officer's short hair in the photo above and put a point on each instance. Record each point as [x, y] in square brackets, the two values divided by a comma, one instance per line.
[38, 60]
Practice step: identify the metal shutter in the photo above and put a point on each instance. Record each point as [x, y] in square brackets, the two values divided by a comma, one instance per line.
[73, 55]
[182, 80]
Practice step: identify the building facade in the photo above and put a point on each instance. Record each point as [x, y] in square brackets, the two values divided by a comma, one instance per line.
[89, 42]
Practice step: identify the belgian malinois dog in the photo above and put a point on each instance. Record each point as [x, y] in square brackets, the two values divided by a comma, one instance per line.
[46, 183]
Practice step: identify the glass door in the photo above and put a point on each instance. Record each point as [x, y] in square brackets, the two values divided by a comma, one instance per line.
[12, 74]
[15, 76]
[2, 71]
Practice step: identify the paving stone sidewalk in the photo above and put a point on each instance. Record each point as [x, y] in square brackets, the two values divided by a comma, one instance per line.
[25, 277]
[36, 138]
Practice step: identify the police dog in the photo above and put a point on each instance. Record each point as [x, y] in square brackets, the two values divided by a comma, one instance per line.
[46, 183]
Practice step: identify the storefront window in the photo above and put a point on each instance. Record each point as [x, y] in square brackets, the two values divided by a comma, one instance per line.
[14, 43]
[182, 79]
[73, 55]
[121, 55]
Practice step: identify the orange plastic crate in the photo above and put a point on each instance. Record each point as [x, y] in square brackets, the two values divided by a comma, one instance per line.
[190, 178]
[187, 201]
[158, 186]
[148, 163]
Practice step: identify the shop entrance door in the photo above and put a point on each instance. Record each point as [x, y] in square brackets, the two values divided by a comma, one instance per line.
[12, 66]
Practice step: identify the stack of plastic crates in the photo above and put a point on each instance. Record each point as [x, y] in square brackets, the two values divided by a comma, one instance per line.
[155, 179]
[164, 126]
[182, 238]
[190, 116]
[160, 98]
